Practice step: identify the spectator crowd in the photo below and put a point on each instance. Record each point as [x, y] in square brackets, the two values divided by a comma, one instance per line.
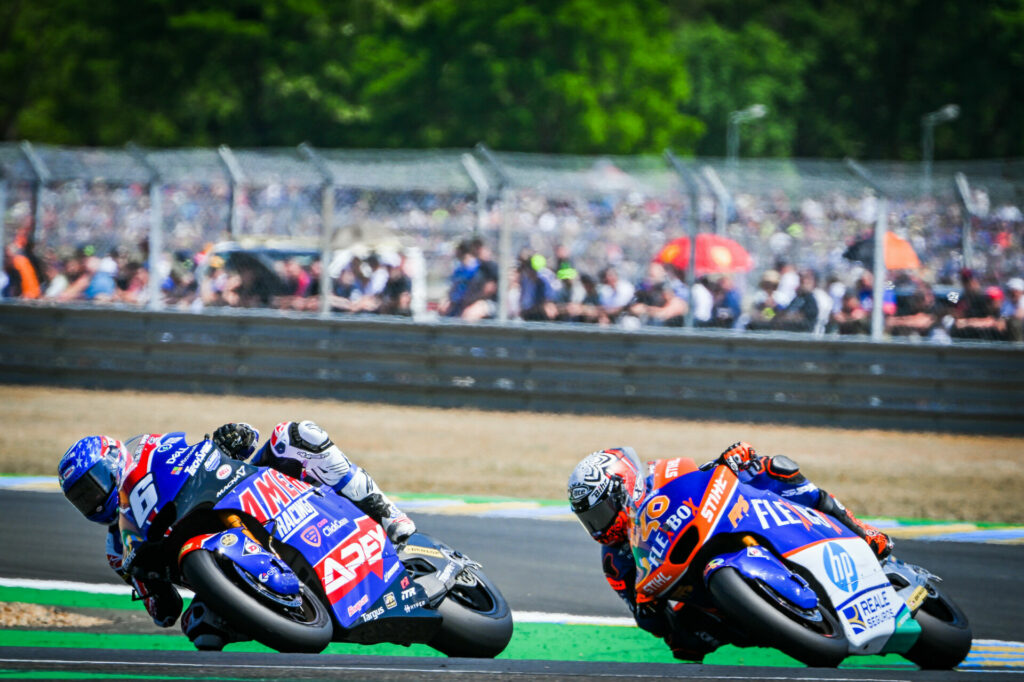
[583, 260]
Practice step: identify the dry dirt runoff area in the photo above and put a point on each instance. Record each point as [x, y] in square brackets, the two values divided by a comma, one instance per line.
[527, 455]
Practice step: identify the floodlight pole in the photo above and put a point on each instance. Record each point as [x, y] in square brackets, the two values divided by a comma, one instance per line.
[3, 225]
[479, 179]
[505, 226]
[237, 177]
[881, 227]
[950, 112]
[156, 232]
[969, 210]
[326, 220]
[42, 178]
[732, 134]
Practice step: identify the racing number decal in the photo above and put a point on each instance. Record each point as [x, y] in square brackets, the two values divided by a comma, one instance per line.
[654, 509]
[143, 498]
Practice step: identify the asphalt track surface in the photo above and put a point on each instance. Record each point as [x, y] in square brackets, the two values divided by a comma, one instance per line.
[547, 566]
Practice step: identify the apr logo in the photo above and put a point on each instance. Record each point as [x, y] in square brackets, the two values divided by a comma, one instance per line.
[840, 568]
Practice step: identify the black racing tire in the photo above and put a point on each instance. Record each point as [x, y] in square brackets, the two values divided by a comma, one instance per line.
[258, 620]
[768, 624]
[477, 622]
[946, 636]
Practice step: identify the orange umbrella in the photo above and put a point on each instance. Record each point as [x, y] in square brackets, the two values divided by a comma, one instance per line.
[899, 254]
[715, 254]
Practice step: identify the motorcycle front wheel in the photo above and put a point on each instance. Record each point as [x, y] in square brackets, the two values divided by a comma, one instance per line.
[945, 638]
[305, 628]
[477, 622]
[814, 637]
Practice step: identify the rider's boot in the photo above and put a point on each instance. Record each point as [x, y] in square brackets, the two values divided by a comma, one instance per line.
[880, 543]
[205, 629]
[396, 524]
[319, 458]
[360, 487]
[692, 633]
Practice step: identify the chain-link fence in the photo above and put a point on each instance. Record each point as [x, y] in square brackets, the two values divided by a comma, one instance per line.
[480, 234]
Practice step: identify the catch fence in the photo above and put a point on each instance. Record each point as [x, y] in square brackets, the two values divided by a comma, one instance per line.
[165, 212]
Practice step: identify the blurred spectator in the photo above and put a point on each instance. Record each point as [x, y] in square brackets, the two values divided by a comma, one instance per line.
[1013, 309]
[920, 316]
[536, 290]
[703, 302]
[789, 282]
[727, 307]
[586, 306]
[615, 293]
[801, 315]
[22, 277]
[851, 318]
[396, 297]
[480, 300]
[977, 312]
[466, 266]
[763, 306]
[656, 302]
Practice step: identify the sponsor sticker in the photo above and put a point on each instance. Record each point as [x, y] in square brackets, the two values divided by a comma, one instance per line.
[212, 461]
[361, 554]
[424, 551]
[228, 540]
[354, 609]
[389, 601]
[713, 564]
[373, 615]
[413, 606]
[311, 536]
[840, 567]
[223, 472]
[333, 527]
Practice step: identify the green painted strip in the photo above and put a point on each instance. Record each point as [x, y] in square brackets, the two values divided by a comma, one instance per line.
[531, 641]
[67, 598]
[71, 675]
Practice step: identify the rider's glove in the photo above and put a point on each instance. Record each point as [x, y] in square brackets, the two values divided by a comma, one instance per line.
[237, 441]
[738, 456]
[162, 601]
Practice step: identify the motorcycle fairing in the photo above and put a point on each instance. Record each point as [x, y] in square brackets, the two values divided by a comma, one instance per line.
[159, 466]
[350, 552]
[674, 520]
[258, 566]
[867, 605]
[756, 563]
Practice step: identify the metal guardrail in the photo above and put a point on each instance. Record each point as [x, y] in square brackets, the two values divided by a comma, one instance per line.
[702, 375]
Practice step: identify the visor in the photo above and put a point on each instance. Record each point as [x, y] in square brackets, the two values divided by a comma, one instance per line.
[90, 493]
[598, 518]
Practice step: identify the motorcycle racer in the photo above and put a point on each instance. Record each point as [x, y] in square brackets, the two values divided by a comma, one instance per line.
[92, 470]
[605, 483]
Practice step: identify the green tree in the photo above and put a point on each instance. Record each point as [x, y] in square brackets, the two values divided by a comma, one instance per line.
[731, 70]
[532, 75]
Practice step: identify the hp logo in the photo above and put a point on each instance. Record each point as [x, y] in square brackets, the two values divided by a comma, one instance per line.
[840, 567]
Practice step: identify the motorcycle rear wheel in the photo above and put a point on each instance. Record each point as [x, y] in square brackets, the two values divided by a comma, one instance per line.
[307, 631]
[818, 643]
[477, 622]
[946, 635]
